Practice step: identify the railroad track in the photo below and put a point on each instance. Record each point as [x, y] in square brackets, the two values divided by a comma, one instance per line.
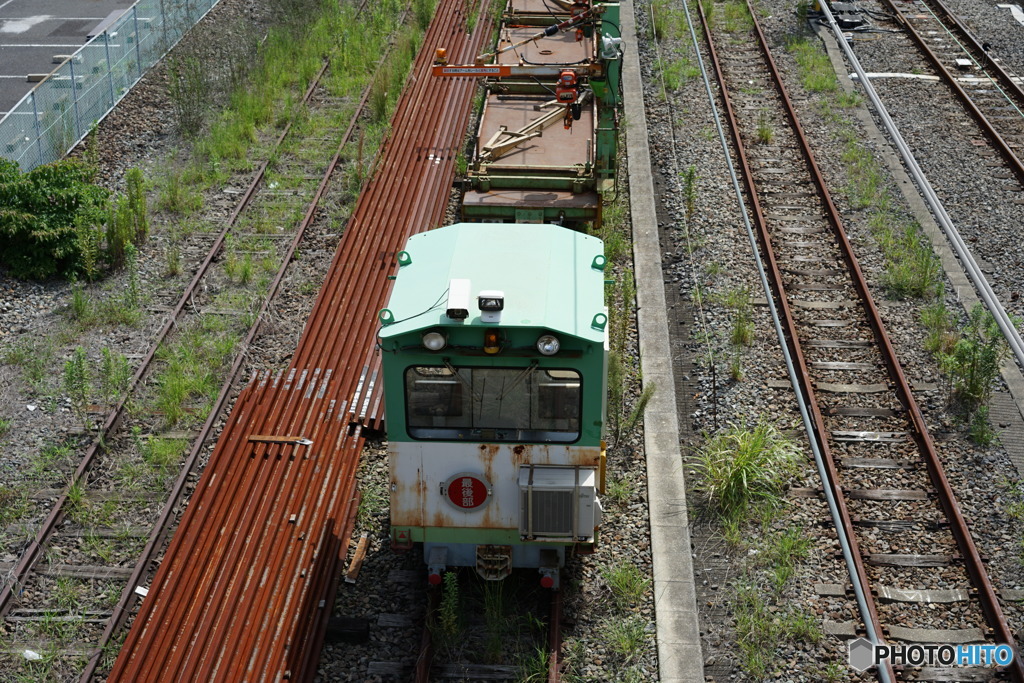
[424, 668]
[53, 561]
[909, 542]
[301, 431]
[992, 96]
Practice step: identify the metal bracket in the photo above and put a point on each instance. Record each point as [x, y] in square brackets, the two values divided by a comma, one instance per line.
[297, 440]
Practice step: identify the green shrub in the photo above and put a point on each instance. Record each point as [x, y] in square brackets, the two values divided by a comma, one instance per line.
[40, 212]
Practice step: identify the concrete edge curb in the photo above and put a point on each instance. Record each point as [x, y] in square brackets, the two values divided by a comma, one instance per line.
[678, 630]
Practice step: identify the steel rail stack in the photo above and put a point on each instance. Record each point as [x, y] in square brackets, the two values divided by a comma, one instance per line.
[247, 584]
[872, 444]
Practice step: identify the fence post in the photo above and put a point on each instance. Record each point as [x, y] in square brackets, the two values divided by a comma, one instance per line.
[39, 133]
[138, 39]
[110, 68]
[74, 98]
[163, 27]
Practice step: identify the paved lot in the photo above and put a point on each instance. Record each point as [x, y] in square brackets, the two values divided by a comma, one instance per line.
[33, 31]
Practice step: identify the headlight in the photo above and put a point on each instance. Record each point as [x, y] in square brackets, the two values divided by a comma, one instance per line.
[548, 345]
[434, 341]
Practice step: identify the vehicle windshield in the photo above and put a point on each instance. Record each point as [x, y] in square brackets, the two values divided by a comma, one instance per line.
[493, 404]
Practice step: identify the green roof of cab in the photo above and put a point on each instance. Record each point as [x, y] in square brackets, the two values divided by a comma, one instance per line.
[552, 277]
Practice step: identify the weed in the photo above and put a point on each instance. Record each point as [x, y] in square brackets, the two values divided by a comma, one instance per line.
[938, 320]
[245, 270]
[973, 364]
[173, 257]
[618, 490]
[14, 504]
[741, 466]
[742, 331]
[834, 672]
[849, 100]
[736, 17]
[626, 583]
[637, 413]
[690, 192]
[189, 89]
[756, 631]
[448, 613]
[136, 201]
[424, 11]
[373, 503]
[99, 547]
[533, 666]
[911, 267]
[115, 375]
[90, 247]
[132, 297]
[78, 506]
[81, 305]
[162, 455]
[783, 553]
[5, 425]
[979, 430]
[76, 382]
[67, 592]
[736, 368]
[495, 609]
[177, 196]
[765, 131]
[816, 71]
[625, 637]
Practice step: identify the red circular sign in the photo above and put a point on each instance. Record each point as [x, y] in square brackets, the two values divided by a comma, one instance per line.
[467, 491]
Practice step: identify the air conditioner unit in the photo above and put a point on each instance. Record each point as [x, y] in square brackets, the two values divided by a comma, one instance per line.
[558, 504]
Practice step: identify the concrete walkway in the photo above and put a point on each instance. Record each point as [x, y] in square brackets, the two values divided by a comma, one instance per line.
[679, 653]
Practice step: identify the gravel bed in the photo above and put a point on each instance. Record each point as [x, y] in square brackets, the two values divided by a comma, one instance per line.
[713, 255]
[709, 252]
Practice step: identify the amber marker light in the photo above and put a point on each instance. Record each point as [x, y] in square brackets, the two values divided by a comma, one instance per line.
[492, 343]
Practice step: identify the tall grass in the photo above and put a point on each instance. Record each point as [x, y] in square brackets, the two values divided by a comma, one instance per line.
[741, 467]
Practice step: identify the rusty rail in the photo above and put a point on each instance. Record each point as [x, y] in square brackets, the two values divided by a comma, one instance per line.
[968, 552]
[555, 638]
[251, 574]
[159, 537]
[425, 658]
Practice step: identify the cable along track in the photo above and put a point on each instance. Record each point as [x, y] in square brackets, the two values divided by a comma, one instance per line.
[910, 544]
[991, 95]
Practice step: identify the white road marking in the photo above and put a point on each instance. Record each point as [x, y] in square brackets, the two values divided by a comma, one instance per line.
[44, 44]
[23, 24]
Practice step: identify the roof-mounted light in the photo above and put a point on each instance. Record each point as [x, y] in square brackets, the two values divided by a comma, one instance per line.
[491, 302]
[548, 345]
[434, 341]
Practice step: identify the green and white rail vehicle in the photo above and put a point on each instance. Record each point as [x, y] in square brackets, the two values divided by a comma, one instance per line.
[495, 362]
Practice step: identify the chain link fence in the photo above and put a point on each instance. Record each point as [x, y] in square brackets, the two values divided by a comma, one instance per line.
[61, 110]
